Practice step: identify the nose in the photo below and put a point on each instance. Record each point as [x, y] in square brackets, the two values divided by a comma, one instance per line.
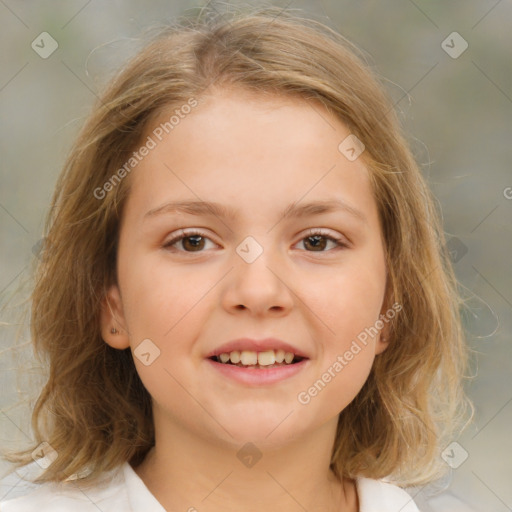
[259, 287]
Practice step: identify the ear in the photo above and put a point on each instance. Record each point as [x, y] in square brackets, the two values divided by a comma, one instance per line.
[112, 321]
[382, 341]
[381, 344]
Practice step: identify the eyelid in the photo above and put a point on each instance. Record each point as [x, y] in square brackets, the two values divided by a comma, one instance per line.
[334, 235]
[182, 233]
[340, 240]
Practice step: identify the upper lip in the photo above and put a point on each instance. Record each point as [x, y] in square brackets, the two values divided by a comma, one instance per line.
[256, 346]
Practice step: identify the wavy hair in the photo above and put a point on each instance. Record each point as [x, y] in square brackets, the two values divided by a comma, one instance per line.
[94, 410]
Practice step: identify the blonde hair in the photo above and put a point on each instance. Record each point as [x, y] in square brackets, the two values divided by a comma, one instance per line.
[94, 410]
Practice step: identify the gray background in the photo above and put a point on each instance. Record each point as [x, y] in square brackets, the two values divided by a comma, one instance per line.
[457, 112]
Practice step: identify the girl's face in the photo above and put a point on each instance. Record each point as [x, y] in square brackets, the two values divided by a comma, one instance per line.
[249, 270]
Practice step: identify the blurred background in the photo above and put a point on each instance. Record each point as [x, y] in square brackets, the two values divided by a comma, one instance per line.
[448, 67]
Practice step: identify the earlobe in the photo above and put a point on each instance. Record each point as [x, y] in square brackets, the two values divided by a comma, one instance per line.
[113, 325]
[382, 344]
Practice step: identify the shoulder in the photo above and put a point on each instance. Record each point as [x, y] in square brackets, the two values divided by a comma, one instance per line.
[380, 496]
[109, 494]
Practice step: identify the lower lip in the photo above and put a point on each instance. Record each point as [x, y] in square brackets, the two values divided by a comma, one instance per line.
[258, 377]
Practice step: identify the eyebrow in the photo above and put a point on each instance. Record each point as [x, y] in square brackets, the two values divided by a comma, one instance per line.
[293, 210]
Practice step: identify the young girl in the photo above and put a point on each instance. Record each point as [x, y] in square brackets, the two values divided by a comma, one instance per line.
[244, 295]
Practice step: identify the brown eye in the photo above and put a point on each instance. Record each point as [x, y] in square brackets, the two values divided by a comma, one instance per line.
[192, 241]
[317, 241]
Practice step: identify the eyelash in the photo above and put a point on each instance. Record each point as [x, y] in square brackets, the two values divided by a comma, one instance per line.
[184, 233]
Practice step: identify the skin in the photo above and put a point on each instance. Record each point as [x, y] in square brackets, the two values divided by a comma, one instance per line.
[257, 154]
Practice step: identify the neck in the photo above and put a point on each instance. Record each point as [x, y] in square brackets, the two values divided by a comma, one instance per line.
[188, 472]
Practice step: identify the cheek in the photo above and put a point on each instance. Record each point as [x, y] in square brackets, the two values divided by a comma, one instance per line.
[340, 387]
[347, 300]
[342, 373]
[157, 295]
[350, 351]
[165, 305]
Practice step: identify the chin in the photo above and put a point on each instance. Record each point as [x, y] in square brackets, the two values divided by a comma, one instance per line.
[268, 426]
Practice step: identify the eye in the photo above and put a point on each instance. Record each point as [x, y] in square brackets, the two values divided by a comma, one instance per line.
[318, 240]
[192, 239]
[195, 241]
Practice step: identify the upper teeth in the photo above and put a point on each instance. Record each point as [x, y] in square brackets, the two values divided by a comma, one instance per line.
[248, 357]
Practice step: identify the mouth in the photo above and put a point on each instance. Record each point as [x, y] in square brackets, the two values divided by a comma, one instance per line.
[257, 362]
[264, 368]
[263, 360]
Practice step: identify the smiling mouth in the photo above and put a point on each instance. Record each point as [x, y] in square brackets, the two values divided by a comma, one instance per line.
[257, 360]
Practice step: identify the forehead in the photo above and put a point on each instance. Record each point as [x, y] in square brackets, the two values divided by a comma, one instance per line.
[233, 117]
[270, 149]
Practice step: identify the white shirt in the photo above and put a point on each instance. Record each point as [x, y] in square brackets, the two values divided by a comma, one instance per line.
[122, 490]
